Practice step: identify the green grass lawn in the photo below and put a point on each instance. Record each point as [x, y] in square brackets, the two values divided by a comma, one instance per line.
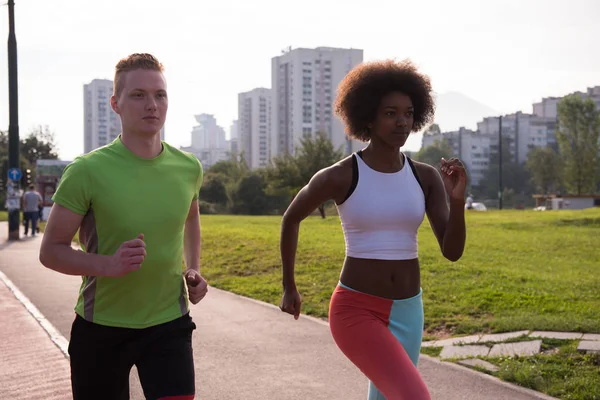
[559, 371]
[3, 216]
[520, 269]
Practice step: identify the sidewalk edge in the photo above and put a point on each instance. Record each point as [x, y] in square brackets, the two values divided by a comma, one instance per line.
[467, 370]
[57, 338]
[498, 381]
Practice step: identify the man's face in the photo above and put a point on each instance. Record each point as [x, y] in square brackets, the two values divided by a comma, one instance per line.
[142, 102]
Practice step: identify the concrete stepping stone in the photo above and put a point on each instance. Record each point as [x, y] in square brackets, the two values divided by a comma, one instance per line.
[591, 336]
[516, 349]
[476, 362]
[464, 351]
[501, 337]
[556, 335]
[589, 346]
[452, 341]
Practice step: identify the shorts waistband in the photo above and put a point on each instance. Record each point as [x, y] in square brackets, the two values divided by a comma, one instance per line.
[408, 299]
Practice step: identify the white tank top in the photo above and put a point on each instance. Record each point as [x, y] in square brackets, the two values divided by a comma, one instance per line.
[383, 213]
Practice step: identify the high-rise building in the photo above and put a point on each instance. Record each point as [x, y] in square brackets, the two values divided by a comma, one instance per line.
[523, 132]
[101, 125]
[473, 148]
[304, 86]
[234, 139]
[207, 134]
[548, 107]
[209, 144]
[254, 126]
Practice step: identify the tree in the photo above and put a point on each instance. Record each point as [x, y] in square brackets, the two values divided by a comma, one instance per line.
[290, 174]
[283, 177]
[213, 189]
[39, 144]
[234, 169]
[314, 154]
[249, 196]
[577, 137]
[221, 182]
[433, 129]
[433, 154]
[545, 167]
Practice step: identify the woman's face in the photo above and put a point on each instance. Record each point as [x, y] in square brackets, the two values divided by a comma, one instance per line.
[394, 119]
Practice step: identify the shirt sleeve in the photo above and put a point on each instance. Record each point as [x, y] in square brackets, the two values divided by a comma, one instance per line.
[74, 189]
[199, 179]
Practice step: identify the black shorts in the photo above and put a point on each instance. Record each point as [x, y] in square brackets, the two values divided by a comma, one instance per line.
[102, 358]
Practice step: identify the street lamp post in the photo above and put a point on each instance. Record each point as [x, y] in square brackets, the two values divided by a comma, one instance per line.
[500, 188]
[13, 130]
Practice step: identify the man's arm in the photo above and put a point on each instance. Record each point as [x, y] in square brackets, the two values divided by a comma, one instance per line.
[192, 239]
[57, 254]
[196, 284]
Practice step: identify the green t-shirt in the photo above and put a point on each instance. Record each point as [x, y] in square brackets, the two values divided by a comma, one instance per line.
[122, 195]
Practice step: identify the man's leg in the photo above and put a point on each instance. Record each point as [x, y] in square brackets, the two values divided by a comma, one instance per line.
[100, 361]
[34, 222]
[26, 218]
[166, 363]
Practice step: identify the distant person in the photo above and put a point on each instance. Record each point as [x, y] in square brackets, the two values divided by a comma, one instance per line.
[470, 202]
[31, 203]
[135, 203]
[376, 311]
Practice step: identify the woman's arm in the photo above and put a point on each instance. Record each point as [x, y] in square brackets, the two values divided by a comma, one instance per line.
[325, 185]
[445, 206]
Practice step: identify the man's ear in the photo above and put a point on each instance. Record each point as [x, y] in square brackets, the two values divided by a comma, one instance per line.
[113, 104]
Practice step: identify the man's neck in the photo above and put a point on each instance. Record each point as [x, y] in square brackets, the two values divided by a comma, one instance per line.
[144, 147]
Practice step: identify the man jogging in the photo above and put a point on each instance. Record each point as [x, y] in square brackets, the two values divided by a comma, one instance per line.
[135, 204]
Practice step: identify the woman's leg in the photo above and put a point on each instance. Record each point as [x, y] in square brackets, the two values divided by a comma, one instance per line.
[359, 325]
[406, 324]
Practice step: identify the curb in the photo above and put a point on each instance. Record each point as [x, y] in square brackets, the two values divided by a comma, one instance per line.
[57, 338]
[524, 390]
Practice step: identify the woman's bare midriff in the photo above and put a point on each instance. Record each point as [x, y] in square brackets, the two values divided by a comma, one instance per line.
[391, 279]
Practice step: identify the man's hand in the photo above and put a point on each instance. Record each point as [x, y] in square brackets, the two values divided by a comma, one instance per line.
[291, 302]
[127, 258]
[196, 284]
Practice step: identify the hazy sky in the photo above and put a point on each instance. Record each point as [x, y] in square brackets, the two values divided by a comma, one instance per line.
[505, 54]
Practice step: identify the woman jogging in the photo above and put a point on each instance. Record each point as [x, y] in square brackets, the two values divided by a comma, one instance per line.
[376, 310]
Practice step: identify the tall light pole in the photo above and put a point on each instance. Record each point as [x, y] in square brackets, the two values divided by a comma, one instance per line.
[500, 189]
[13, 193]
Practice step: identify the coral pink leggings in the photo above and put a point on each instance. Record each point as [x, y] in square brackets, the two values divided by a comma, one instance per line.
[382, 337]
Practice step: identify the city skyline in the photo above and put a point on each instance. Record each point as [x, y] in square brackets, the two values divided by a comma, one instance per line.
[505, 55]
